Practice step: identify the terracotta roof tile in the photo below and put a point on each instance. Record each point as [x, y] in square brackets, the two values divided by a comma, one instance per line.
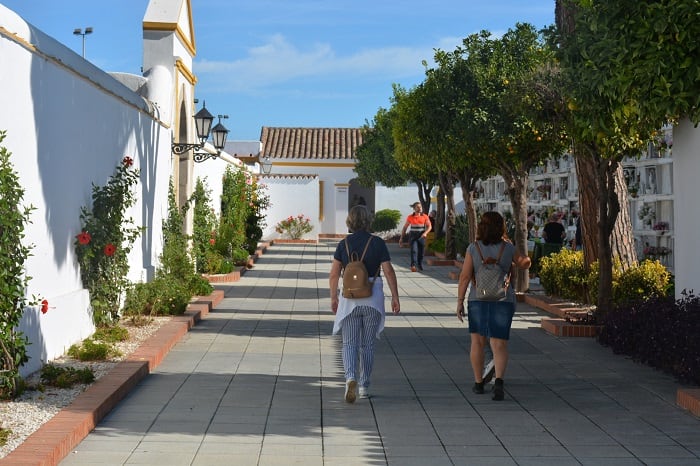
[310, 143]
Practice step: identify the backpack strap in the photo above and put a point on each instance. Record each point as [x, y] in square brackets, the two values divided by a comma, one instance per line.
[491, 260]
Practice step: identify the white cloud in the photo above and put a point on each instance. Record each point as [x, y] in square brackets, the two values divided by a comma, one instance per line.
[279, 61]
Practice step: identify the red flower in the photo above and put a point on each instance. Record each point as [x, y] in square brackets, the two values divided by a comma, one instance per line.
[127, 161]
[84, 238]
[212, 241]
[44, 306]
[110, 249]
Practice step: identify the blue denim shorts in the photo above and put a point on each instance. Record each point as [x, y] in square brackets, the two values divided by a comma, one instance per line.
[490, 318]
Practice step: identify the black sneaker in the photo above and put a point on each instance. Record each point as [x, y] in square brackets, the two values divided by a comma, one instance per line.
[478, 388]
[498, 392]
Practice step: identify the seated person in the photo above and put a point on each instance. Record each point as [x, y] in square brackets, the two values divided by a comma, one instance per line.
[554, 232]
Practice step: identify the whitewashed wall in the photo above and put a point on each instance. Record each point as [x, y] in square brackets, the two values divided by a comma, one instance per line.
[686, 209]
[69, 124]
[333, 193]
[291, 195]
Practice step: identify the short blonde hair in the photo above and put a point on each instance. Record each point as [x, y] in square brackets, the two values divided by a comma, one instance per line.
[359, 218]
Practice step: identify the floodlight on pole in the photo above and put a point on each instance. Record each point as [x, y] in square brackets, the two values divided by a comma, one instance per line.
[79, 32]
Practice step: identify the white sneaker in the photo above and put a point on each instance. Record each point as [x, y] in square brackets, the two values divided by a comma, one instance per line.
[350, 387]
[489, 371]
[364, 392]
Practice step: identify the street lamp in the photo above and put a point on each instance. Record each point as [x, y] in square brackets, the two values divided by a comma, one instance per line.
[79, 32]
[202, 122]
[266, 165]
[218, 135]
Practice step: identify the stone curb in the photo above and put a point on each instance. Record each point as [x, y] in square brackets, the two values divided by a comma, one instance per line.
[53, 441]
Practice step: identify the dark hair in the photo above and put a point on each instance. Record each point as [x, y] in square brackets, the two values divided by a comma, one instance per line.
[491, 228]
[359, 218]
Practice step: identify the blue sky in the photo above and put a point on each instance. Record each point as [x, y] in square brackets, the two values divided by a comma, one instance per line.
[308, 63]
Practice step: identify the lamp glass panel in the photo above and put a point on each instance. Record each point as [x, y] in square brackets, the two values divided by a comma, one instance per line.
[203, 120]
[219, 134]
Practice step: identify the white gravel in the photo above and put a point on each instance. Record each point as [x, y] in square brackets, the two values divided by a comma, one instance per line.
[33, 408]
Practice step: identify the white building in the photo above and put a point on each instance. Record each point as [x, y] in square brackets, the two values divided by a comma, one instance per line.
[69, 124]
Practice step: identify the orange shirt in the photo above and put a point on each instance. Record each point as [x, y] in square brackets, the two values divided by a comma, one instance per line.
[417, 223]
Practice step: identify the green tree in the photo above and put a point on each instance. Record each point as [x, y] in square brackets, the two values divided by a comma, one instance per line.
[512, 119]
[375, 156]
[630, 67]
[204, 231]
[236, 207]
[377, 161]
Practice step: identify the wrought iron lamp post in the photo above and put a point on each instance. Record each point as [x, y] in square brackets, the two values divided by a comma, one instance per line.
[203, 121]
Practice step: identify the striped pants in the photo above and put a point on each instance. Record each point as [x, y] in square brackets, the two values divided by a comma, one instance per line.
[359, 336]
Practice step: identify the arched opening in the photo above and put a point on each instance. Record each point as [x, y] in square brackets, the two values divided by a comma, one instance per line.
[358, 194]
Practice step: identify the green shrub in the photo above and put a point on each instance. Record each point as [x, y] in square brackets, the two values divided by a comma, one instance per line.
[112, 334]
[639, 283]
[461, 234]
[386, 220]
[107, 236]
[239, 257]
[199, 286]
[66, 377]
[4, 436]
[91, 350]
[563, 274]
[162, 296]
[438, 245]
[13, 280]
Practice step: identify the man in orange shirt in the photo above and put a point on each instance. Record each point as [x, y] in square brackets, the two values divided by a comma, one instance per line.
[418, 226]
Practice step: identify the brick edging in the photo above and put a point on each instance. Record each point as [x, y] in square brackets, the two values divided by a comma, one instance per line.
[54, 440]
[689, 398]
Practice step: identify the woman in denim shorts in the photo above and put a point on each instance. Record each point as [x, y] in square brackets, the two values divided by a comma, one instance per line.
[489, 320]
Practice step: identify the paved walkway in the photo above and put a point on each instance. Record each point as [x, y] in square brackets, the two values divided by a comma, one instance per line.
[259, 382]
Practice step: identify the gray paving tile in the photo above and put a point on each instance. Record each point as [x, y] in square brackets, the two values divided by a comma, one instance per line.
[260, 381]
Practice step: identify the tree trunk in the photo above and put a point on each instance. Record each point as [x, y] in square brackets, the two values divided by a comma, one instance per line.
[609, 207]
[468, 182]
[516, 187]
[440, 217]
[447, 186]
[424, 190]
[594, 174]
[587, 174]
[622, 238]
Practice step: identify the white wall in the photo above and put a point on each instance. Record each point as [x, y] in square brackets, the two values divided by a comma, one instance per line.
[291, 195]
[335, 180]
[69, 124]
[686, 209]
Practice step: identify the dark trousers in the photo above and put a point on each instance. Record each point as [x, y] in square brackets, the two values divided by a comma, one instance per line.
[417, 243]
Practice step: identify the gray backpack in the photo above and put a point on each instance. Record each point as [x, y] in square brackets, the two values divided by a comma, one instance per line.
[490, 281]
